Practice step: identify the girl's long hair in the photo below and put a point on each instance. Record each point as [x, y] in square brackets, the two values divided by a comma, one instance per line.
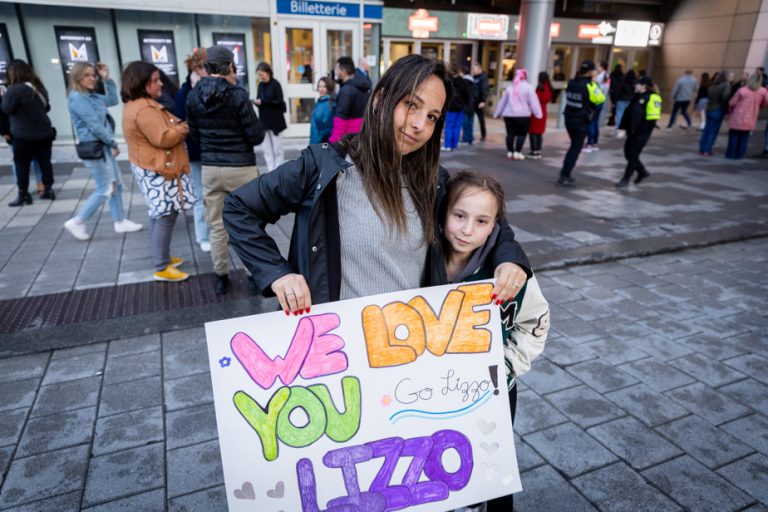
[20, 72]
[544, 82]
[375, 152]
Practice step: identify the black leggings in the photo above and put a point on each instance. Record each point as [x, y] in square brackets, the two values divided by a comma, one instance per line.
[535, 139]
[24, 151]
[517, 129]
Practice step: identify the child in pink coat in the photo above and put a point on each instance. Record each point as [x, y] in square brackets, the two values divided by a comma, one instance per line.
[745, 106]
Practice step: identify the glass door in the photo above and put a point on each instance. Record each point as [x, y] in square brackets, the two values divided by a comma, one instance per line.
[311, 50]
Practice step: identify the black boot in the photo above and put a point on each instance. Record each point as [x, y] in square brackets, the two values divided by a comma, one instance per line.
[641, 176]
[623, 183]
[48, 193]
[22, 199]
[222, 284]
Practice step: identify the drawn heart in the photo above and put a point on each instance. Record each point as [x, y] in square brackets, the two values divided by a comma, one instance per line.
[489, 448]
[278, 491]
[507, 479]
[245, 492]
[489, 470]
[486, 427]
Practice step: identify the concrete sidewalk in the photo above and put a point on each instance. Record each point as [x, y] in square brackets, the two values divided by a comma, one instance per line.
[650, 395]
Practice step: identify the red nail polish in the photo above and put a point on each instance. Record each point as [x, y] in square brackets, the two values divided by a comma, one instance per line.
[498, 302]
[287, 313]
[493, 296]
[301, 311]
[307, 310]
[295, 313]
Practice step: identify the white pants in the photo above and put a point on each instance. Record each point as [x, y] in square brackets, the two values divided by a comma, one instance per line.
[273, 149]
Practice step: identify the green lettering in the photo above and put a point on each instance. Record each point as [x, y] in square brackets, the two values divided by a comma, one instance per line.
[341, 427]
[263, 421]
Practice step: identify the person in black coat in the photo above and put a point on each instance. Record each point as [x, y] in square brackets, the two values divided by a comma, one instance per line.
[481, 94]
[462, 97]
[269, 99]
[639, 129]
[617, 77]
[26, 104]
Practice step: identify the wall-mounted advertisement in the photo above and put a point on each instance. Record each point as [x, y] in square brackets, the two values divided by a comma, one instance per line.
[487, 26]
[632, 33]
[655, 34]
[236, 43]
[6, 54]
[157, 47]
[76, 44]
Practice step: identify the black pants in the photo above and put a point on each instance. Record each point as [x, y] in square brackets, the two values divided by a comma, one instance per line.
[535, 139]
[632, 148]
[682, 107]
[517, 129]
[24, 151]
[577, 131]
[504, 503]
[481, 119]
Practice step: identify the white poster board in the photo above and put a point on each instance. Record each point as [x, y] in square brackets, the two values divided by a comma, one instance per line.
[391, 402]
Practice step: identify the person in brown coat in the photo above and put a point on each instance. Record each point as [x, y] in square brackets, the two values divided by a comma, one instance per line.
[159, 161]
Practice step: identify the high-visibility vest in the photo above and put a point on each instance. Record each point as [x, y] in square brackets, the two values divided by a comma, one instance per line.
[653, 108]
[596, 94]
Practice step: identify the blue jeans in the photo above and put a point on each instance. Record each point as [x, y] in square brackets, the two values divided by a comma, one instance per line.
[201, 227]
[594, 126]
[468, 127]
[106, 176]
[711, 129]
[621, 106]
[737, 144]
[453, 122]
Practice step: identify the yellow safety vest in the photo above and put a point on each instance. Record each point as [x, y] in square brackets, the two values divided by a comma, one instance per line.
[596, 95]
[653, 108]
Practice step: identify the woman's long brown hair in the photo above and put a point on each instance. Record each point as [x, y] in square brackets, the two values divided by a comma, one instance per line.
[375, 153]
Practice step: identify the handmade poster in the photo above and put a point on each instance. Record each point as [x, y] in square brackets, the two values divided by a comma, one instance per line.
[76, 44]
[236, 43]
[391, 402]
[157, 47]
[6, 54]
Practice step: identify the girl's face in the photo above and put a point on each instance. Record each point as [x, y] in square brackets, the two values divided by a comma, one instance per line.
[88, 80]
[154, 87]
[263, 76]
[322, 88]
[415, 116]
[470, 220]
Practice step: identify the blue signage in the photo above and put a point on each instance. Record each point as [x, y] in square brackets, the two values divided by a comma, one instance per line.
[315, 8]
[373, 12]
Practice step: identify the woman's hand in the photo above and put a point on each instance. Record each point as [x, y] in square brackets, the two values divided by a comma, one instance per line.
[257, 102]
[293, 293]
[509, 280]
[115, 151]
[103, 70]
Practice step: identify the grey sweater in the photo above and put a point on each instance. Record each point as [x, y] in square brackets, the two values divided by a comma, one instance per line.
[683, 90]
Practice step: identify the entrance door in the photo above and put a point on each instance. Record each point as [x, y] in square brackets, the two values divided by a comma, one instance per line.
[311, 50]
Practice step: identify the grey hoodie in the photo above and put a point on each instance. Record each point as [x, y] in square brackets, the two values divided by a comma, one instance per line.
[683, 90]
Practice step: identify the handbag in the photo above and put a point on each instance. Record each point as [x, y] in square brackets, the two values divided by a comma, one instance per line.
[90, 150]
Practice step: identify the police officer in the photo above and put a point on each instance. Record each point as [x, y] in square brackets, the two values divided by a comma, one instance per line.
[639, 121]
[581, 99]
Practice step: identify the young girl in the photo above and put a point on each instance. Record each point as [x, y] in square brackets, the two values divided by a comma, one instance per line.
[474, 205]
[539, 124]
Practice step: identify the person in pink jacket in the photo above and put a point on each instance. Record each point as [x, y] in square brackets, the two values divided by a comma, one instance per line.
[517, 105]
[745, 106]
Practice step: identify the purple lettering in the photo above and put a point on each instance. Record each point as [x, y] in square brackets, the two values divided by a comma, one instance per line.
[397, 496]
[420, 449]
[445, 440]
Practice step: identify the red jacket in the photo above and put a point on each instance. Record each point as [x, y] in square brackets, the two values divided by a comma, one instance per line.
[539, 126]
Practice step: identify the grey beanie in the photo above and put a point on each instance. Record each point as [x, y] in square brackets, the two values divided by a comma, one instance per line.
[219, 54]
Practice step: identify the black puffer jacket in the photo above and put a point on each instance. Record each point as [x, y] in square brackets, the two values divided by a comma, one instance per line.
[307, 187]
[352, 97]
[26, 111]
[222, 119]
[272, 106]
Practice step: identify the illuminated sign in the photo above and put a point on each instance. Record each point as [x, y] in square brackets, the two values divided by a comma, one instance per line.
[598, 34]
[655, 33]
[554, 29]
[421, 24]
[487, 26]
[632, 33]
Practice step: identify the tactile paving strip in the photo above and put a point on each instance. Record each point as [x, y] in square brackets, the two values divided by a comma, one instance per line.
[112, 302]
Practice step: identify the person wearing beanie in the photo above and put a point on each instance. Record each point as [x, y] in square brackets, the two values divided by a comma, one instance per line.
[639, 121]
[223, 121]
[582, 96]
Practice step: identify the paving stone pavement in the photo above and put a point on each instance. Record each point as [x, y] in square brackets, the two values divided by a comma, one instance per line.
[650, 395]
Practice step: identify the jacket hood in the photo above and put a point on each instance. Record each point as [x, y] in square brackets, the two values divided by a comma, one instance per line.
[359, 82]
[213, 91]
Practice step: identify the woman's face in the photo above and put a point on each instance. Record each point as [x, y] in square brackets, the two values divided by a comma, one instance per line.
[322, 88]
[88, 80]
[470, 220]
[263, 76]
[154, 87]
[415, 116]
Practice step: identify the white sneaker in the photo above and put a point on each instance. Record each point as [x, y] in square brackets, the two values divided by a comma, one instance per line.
[76, 229]
[510, 155]
[519, 156]
[620, 134]
[587, 149]
[127, 226]
[205, 246]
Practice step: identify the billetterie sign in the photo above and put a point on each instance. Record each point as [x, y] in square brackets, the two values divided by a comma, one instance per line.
[391, 402]
[316, 8]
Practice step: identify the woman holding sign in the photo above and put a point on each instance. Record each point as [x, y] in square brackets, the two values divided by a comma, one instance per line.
[365, 206]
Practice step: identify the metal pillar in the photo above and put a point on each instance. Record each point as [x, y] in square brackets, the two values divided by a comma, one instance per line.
[533, 38]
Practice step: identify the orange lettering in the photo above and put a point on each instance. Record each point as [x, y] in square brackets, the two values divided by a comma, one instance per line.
[468, 337]
[439, 328]
[384, 348]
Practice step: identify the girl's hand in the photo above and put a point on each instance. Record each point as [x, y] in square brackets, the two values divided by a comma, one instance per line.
[509, 280]
[293, 293]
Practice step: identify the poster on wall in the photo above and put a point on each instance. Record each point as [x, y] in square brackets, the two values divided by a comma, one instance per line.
[76, 44]
[236, 43]
[391, 402]
[157, 47]
[6, 54]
